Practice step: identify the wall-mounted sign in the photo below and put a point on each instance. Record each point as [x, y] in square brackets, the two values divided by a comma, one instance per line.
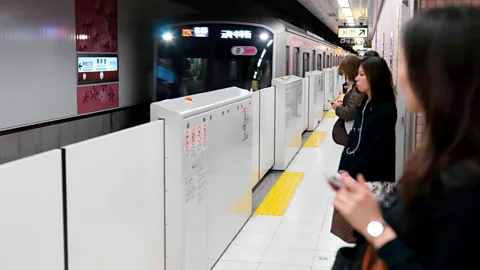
[236, 34]
[244, 50]
[195, 32]
[97, 69]
[352, 32]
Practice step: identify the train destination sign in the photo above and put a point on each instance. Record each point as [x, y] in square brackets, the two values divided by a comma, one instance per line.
[236, 34]
[195, 32]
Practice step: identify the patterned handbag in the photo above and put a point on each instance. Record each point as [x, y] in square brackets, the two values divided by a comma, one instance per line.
[341, 228]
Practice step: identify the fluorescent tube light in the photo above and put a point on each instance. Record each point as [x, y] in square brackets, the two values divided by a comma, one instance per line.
[343, 3]
[347, 12]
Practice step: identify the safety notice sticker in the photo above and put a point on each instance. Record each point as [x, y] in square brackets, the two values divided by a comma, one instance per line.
[202, 185]
[199, 139]
[186, 145]
[205, 137]
[190, 189]
[245, 123]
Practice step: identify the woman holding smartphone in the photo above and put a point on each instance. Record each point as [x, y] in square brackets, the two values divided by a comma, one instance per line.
[347, 109]
[431, 222]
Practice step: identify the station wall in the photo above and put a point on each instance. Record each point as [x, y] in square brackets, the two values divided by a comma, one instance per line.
[41, 107]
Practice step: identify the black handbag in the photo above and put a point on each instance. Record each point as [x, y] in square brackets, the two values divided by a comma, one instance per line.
[344, 259]
[350, 258]
[339, 132]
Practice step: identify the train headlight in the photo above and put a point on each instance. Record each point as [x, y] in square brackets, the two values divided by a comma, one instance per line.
[264, 36]
[167, 36]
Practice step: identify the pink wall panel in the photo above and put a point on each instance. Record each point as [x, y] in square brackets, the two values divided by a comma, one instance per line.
[97, 98]
[96, 25]
[429, 4]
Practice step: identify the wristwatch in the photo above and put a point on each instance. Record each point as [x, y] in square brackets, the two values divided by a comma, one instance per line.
[376, 228]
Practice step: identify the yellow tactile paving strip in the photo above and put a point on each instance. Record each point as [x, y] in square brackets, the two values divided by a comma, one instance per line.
[330, 114]
[315, 139]
[278, 199]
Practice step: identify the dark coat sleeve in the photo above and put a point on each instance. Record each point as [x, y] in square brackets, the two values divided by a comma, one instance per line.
[453, 236]
[349, 109]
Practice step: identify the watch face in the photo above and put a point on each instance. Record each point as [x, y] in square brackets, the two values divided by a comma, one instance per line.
[375, 229]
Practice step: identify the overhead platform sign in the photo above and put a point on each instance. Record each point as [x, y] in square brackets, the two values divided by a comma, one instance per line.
[352, 32]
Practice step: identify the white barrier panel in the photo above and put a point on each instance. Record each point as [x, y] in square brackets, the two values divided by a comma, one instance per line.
[115, 200]
[335, 82]
[31, 210]
[315, 99]
[267, 130]
[208, 174]
[255, 138]
[339, 84]
[289, 113]
[329, 88]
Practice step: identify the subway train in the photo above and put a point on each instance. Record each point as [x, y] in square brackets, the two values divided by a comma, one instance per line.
[197, 56]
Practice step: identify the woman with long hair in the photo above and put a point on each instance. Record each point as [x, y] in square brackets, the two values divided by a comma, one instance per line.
[431, 222]
[347, 109]
[371, 145]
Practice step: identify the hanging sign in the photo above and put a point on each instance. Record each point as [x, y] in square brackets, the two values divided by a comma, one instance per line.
[352, 32]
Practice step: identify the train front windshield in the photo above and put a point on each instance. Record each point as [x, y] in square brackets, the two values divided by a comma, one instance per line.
[193, 59]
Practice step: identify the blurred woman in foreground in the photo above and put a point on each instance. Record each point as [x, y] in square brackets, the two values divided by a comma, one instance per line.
[432, 221]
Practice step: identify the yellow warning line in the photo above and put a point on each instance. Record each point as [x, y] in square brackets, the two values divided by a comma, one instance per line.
[330, 114]
[315, 139]
[277, 200]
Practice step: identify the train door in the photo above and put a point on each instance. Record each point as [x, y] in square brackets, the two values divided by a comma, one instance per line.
[314, 60]
[296, 62]
[319, 61]
[305, 53]
[288, 70]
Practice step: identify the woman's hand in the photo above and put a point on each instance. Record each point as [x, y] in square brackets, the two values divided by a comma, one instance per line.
[336, 104]
[357, 204]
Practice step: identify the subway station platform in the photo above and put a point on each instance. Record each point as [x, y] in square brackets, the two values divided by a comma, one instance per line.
[290, 230]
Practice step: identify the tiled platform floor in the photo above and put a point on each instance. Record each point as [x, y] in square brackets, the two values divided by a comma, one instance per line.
[301, 238]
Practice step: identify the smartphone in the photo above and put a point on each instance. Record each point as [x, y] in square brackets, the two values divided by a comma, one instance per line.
[334, 181]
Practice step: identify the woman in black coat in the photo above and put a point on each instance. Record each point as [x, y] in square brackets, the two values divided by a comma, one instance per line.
[370, 148]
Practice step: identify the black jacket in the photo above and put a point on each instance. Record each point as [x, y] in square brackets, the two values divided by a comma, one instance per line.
[439, 232]
[374, 141]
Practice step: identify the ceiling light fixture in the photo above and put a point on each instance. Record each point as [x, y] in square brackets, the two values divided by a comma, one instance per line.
[350, 20]
[347, 12]
[343, 3]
